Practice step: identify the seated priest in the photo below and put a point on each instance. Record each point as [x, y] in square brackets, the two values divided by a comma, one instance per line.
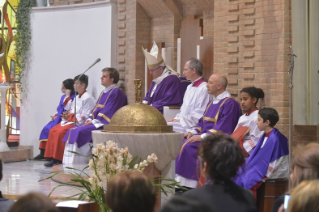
[221, 114]
[84, 105]
[195, 99]
[166, 87]
[65, 102]
[270, 157]
[111, 99]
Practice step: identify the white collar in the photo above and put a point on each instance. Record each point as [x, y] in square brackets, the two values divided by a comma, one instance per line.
[165, 73]
[221, 96]
[109, 88]
[196, 79]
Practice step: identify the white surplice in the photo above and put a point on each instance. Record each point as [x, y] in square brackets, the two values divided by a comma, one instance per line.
[194, 104]
[252, 138]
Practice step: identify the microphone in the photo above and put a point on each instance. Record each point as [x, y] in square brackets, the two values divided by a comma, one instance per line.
[76, 86]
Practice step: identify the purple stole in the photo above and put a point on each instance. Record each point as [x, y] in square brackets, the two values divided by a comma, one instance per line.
[257, 164]
[107, 104]
[168, 92]
[217, 117]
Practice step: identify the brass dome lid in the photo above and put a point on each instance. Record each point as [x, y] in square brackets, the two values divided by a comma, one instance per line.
[138, 118]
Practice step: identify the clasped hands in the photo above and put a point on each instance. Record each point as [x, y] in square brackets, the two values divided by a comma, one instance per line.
[65, 115]
[192, 138]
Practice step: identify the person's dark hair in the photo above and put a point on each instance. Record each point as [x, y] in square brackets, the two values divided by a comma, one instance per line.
[198, 65]
[0, 169]
[68, 84]
[113, 74]
[84, 79]
[185, 204]
[33, 202]
[131, 191]
[222, 155]
[270, 114]
[254, 92]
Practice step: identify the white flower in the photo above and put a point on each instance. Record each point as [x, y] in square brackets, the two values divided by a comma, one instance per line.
[136, 166]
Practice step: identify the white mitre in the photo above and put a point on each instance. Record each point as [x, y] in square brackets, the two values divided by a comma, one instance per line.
[154, 58]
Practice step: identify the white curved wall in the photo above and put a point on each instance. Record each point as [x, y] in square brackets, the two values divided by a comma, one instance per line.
[66, 40]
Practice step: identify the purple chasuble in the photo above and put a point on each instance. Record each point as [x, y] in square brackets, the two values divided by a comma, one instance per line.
[103, 111]
[60, 109]
[256, 166]
[222, 116]
[168, 92]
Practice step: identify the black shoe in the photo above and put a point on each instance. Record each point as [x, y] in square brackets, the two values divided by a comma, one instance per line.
[39, 157]
[50, 163]
[57, 162]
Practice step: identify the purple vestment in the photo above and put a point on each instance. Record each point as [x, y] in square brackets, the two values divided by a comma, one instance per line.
[257, 164]
[60, 109]
[168, 92]
[222, 116]
[103, 111]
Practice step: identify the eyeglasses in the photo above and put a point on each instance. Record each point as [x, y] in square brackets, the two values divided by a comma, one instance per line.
[154, 69]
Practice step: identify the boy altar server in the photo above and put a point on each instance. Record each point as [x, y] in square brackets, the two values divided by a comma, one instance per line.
[166, 87]
[221, 114]
[269, 158]
[111, 99]
[195, 98]
[84, 104]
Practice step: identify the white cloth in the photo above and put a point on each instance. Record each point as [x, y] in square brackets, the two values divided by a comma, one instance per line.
[97, 123]
[252, 138]
[277, 168]
[166, 72]
[216, 100]
[185, 181]
[84, 106]
[194, 104]
[71, 158]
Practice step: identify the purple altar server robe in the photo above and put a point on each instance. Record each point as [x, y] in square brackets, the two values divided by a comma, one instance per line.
[256, 165]
[103, 111]
[60, 109]
[222, 116]
[168, 92]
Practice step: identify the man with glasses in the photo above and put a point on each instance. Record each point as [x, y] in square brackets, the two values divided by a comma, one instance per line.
[166, 87]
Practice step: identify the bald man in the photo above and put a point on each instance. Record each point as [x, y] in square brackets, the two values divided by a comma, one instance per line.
[221, 114]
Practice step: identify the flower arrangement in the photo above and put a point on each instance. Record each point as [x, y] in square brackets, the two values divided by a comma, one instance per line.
[107, 161]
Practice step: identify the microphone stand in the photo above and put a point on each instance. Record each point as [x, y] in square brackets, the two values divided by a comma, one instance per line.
[76, 86]
[290, 72]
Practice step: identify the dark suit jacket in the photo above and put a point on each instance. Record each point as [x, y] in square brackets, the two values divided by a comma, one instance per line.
[226, 197]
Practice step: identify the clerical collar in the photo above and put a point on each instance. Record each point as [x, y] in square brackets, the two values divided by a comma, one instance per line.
[198, 81]
[82, 94]
[221, 96]
[109, 88]
[267, 134]
[250, 112]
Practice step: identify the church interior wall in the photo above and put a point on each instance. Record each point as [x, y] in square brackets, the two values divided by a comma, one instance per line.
[251, 41]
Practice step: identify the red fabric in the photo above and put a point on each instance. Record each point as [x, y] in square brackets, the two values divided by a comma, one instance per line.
[71, 118]
[66, 101]
[248, 113]
[255, 187]
[201, 181]
[238, 135]
[55, 145]
[82, 94]
[198, 82]
[43, 144]
[267, 134]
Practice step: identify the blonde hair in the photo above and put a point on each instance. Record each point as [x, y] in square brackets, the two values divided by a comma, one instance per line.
[305, 197]
[305, 164]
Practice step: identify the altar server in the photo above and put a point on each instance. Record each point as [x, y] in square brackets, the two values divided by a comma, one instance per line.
[195, 98]
[84, 104]
[64, 105]
[166, 87]
[248, 99]
[269, 158]
[221, 114]
[111, 99]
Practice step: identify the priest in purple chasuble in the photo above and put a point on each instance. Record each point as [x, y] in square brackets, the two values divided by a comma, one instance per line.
[221, 114]
[166, 87]
[110, 100]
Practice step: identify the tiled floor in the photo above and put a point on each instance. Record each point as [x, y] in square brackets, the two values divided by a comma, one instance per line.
[22, 177]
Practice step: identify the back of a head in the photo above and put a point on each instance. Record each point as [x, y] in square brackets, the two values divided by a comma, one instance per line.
[198, 65]
[33, 202]
[113, 74]
[185, 204]
[0, 169]
[305, 197]
[305, 163]
[270, 114]
[219, 150]
[131, 191]
[68, 84]
[222, 79]
[84, 79]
